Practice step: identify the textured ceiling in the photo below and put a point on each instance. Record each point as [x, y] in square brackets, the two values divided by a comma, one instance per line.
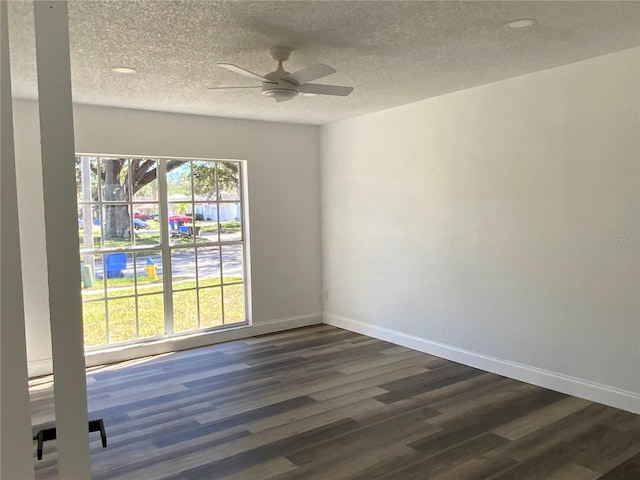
[392, 52]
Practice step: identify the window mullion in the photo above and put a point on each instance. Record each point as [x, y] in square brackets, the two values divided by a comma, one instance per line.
[164, 247]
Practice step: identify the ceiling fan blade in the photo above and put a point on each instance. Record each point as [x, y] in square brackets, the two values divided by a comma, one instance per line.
[320, 89]
[242, 71]
[227, 88]
[308, 74]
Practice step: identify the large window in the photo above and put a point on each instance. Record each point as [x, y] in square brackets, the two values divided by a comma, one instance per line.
[162, 245]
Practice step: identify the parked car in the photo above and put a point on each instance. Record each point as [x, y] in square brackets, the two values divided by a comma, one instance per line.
[141, 216]
[140, 224]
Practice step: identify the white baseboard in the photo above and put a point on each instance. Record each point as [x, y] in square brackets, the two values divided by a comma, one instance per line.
[200, 339]
[128, 352]
[281, 324]
[578, 387]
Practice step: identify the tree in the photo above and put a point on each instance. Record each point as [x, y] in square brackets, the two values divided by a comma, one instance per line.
[204, 178]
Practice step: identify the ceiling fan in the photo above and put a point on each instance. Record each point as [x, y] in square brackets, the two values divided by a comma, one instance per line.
[282, 85]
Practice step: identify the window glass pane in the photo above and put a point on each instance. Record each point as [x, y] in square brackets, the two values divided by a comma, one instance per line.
[185, 310]
[144, 183]
[232, 263]
[96, 213]
[120, 276]
[181, 223]
[204, 180]
[87, 179]
[206, 222]
[151, 315]
[228, 181]
[146, 231]
[117, 226]
[233, 296]
[115, 180]
[122, 319]
[95, 324]
[148, 267]
[210, 307]
[230, 222]
[179, 181]
[208, 266]
[183, 268]
[98, 273]
[89, 232]
[92, 277]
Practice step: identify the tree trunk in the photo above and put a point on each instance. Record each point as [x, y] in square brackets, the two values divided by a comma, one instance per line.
[116, 217]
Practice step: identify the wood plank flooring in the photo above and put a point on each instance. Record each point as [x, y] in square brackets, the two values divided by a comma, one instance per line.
[327, 404]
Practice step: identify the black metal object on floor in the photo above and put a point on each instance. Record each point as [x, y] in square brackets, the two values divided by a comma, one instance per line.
[50, 433]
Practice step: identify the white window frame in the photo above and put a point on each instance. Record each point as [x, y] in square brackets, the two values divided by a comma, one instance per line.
[166, 248]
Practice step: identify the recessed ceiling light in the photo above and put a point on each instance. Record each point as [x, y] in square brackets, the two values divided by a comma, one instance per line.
[522, 23]
[123, 70]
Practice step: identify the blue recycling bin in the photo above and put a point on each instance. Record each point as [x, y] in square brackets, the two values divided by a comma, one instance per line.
[115, 264]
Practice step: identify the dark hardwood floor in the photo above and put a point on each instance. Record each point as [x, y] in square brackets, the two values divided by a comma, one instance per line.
[324, 403]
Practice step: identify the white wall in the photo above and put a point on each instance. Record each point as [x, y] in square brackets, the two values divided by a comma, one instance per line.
[284, 204]
[32, 238]
[498, 226]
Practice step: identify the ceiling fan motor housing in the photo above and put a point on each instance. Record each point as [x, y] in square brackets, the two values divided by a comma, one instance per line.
[279, 91]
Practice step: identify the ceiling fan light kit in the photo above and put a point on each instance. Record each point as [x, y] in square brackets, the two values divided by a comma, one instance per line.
[282, 85]
[125, 70]
[279, 94]
[522, 23]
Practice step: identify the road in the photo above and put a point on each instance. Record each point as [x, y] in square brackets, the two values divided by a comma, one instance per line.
[183, 263]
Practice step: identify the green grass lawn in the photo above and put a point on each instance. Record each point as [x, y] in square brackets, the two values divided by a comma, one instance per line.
[124, 298]
[121, 305]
